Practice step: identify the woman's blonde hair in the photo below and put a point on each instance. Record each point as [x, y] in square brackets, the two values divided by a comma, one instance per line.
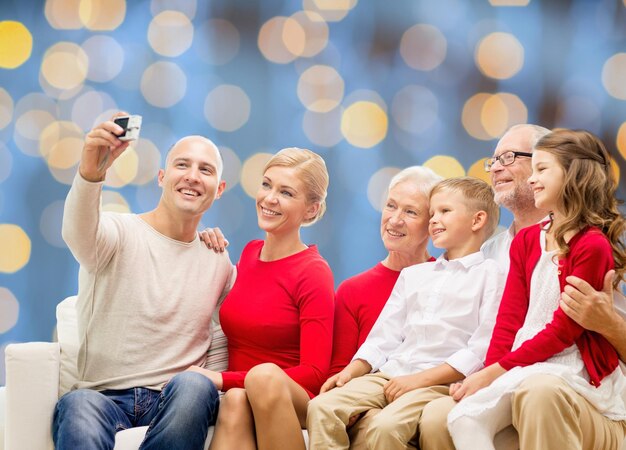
[587, 196]
[312, 170]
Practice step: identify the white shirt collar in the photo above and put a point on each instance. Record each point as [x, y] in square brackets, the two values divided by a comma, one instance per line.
[466, 261]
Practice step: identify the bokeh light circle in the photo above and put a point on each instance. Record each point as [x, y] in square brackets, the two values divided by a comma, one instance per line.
[170, 33]
[323, 129]
[227, 107]
[60, 144]
[163, 84]
[615, 168]
[614, 76]
[423, 47]
[50, 224]
[102, 15]
[65, 65]
[252, 173]
[415, 109]
[28, 128]
[16, 246]
[88, 107]
[9, 310]
[499, 55]
[6, 108]
[488, 116]
[16, 44]
[364, 124]
[477, 170]
[320, 88]
[621, 140]
[445, 166]
[106, 58]
[377, 186]
[315, 34]
[63, 14]
[148, 161]
[281, 39]
[124, 170]
[330, 10]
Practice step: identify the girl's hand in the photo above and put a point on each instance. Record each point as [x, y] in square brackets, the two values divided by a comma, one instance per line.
[214, 239]
[476, 382]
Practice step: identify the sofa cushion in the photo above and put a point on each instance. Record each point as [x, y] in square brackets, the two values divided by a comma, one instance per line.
[67, 334]
[217, 358]
[1, 417]
[131, 439]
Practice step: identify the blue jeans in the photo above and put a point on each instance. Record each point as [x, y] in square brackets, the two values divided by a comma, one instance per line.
[178, 417]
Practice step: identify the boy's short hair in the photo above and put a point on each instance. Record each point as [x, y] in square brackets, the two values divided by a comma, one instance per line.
[479, 197]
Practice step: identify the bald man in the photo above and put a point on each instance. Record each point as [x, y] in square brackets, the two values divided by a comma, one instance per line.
[146, 293]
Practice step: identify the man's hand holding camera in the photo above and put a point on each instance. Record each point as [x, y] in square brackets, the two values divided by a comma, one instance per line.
[102, 148]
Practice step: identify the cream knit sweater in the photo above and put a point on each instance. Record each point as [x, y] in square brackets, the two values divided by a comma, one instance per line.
[144, 300]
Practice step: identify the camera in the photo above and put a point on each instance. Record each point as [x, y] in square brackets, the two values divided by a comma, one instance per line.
[131, 125]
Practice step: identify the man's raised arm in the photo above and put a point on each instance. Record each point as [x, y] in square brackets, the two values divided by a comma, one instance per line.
[81, 215]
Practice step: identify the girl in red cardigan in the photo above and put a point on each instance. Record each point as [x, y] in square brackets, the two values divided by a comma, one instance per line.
[572, 178]
[278, 317]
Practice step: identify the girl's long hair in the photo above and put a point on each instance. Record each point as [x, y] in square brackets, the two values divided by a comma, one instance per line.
[587, 196]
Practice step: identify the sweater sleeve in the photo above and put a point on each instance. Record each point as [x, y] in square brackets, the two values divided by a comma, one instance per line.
[346, 331]
[589, 260]
[387, 332]
[316, 301]
[513, 306]
[89, 234]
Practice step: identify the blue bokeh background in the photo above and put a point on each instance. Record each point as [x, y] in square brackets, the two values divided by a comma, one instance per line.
[566, 46]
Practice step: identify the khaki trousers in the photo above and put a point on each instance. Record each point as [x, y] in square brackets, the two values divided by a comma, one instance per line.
[392, 428]
[547, 414]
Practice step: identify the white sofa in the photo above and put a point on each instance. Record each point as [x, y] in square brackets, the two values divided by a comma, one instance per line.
[38, 373]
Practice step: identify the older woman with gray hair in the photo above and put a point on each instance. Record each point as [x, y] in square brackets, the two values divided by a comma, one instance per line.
[360, 299]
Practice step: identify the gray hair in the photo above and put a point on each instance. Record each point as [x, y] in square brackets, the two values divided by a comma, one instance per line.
[422, 177]
[537, 132]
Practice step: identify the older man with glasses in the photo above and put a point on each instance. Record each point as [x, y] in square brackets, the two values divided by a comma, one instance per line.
[547, 413]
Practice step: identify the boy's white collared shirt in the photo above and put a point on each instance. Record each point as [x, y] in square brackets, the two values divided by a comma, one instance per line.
[440, 311]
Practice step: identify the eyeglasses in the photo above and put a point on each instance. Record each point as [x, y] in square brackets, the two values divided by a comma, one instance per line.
[505, 159]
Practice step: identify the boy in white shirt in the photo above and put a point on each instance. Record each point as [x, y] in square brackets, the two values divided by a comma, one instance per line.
[434, 329]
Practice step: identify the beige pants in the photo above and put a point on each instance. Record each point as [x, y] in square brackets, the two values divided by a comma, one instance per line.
[547, 413]
[392, 428]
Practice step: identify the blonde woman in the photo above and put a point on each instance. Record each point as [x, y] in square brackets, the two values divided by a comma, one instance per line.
[278, 317]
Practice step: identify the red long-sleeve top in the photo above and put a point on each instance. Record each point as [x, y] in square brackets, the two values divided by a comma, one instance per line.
[358, 303]
[589, 258]
[280, 312]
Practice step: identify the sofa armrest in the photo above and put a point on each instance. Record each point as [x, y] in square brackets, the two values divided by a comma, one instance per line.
[32, 390]
[2, 409]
